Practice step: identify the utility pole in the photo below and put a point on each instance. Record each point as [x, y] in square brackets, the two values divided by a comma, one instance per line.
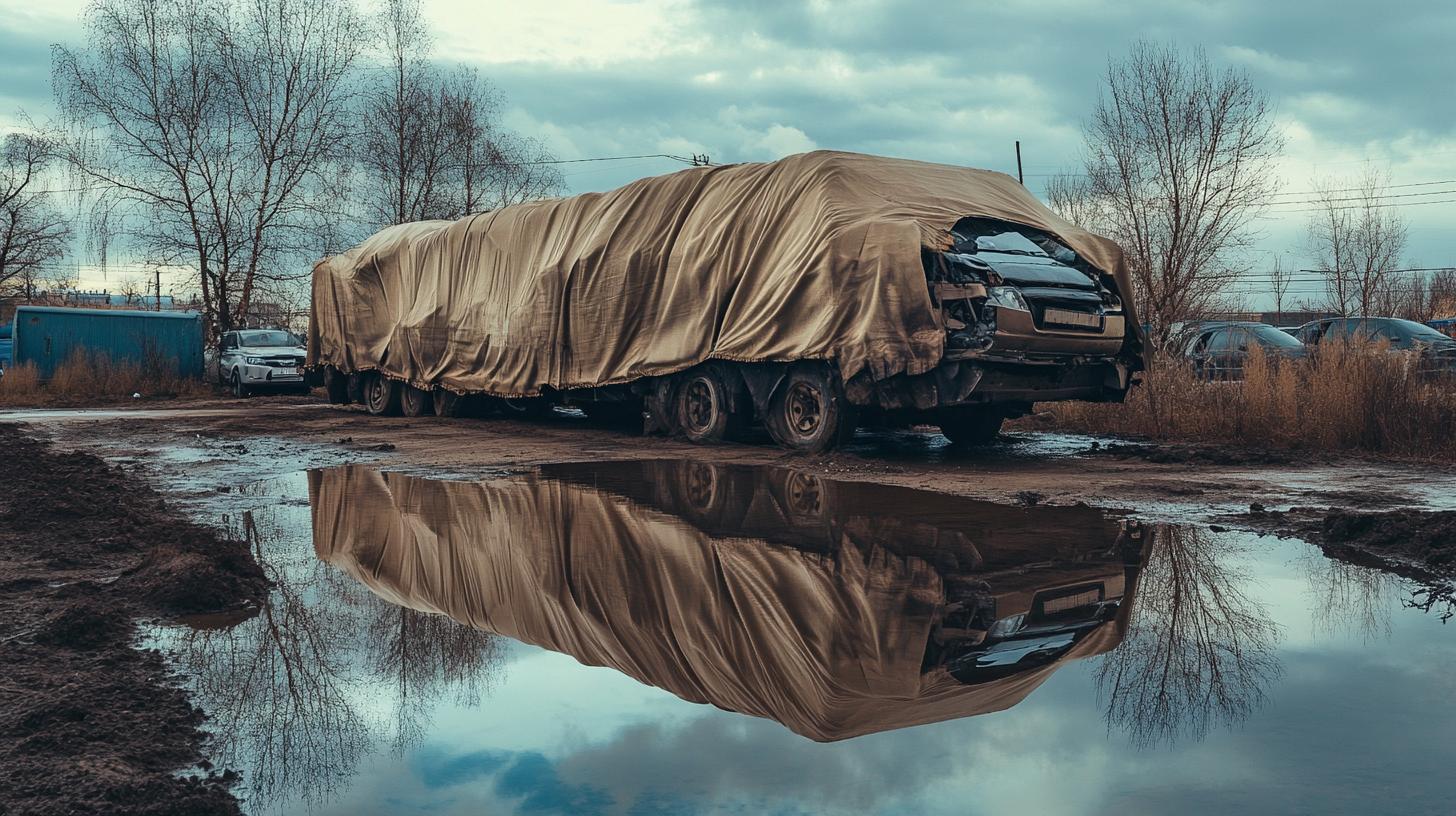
[1019, 179]
[701, 160]
[158, 270]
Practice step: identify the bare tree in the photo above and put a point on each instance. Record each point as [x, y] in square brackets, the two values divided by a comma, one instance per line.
[133, 288]
[1071, 196]
[1442, 297]
[407, 139]
[1180, 160]
[1279, 280]
[34, 234]
[433, 145]
[207, 124]
[1355, 240]
[492, 167]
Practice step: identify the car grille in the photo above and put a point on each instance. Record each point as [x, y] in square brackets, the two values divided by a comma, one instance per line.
[282, 362]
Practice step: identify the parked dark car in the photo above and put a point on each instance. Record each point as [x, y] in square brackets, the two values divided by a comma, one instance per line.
[1437, 351]
[1219, 349]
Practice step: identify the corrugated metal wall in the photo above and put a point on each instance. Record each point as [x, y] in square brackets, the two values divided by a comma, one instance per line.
[47, 336]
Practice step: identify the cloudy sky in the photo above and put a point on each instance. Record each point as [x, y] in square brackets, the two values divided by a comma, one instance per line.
[952, 82]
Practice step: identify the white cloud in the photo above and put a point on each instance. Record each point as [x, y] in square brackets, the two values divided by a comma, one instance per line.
[781, 140]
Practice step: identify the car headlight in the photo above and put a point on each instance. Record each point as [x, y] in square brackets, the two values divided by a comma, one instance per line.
[255, 360]
[1007, 627]
[1007, 297]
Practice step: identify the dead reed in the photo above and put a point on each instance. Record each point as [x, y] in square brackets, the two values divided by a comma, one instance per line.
[1348, 397]
[87, 378]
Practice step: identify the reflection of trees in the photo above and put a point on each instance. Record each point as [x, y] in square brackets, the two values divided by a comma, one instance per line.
[1198, 650]
[283, 690]
[1435, 597]
[275, 686]
[420, 654]
[1345, 596]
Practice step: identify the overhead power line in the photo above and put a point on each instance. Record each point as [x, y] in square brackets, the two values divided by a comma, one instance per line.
[1361, 198]
[1359, 189]
[696, 160]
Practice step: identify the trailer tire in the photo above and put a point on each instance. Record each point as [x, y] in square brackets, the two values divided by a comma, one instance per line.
[381, 395]
[970, 426]
[808, 411]
[703, 409]
[447, 403]
[354, 387]
[336, 385]
[414, 402]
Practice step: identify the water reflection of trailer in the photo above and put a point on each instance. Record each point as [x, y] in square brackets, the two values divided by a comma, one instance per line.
[831, 639]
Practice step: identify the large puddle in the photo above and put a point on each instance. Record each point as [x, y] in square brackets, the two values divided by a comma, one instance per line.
[669, 637]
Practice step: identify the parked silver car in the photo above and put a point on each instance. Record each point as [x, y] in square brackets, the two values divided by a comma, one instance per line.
[252, 360]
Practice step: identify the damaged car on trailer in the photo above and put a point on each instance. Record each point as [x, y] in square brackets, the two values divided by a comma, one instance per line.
[807, 296]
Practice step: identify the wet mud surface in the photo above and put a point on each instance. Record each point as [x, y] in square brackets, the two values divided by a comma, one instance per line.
[88, 723]
[563, 618]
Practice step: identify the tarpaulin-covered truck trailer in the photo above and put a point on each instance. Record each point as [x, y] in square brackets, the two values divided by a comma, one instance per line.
[811, 294]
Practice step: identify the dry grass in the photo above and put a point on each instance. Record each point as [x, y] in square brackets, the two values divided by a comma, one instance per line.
[1357, 397]
[87, 378]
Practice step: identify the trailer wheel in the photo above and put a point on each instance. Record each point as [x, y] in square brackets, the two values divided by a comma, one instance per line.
[336, 385]
[354, 386]
[808, 411]
[703, 411]
[447, 403]
[969, 426]
[381, 395]
[414, 402]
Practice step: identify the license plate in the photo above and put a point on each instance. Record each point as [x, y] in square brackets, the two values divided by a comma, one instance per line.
[1064, 317]
[1077, 601]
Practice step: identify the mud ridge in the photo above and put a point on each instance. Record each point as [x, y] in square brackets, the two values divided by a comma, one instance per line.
[88, 722]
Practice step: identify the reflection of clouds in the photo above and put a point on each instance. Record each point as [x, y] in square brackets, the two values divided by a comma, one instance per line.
[1198, 650]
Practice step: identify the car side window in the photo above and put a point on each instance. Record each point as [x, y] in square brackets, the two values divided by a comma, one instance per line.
[1222, 340]
[1200, 342]
[229, 341]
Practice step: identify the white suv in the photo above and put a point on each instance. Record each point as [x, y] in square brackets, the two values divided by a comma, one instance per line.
[261, 359]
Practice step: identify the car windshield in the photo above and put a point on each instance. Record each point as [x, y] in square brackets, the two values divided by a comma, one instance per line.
[1270, 336]
[267, 338]
[1417, 331]
[1013, 242]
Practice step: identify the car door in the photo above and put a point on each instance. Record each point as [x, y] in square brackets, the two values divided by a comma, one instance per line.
[1223, 359]
[1197, 352]
[228, 356]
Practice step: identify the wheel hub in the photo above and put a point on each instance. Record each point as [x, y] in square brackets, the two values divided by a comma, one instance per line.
[698, 404]
[805, 408]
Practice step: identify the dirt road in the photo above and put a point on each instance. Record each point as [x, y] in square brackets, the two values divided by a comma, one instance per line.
[198, 449]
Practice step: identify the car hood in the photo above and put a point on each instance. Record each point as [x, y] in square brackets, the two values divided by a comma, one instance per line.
[272, 351]
[1034, 270]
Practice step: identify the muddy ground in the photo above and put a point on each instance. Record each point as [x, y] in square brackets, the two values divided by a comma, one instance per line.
[87, 722]
[88, 548]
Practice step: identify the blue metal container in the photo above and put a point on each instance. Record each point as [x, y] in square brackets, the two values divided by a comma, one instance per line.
[49, 335]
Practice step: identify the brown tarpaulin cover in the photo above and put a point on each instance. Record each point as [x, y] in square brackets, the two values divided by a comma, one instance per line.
[830, 645]
[816, 256]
